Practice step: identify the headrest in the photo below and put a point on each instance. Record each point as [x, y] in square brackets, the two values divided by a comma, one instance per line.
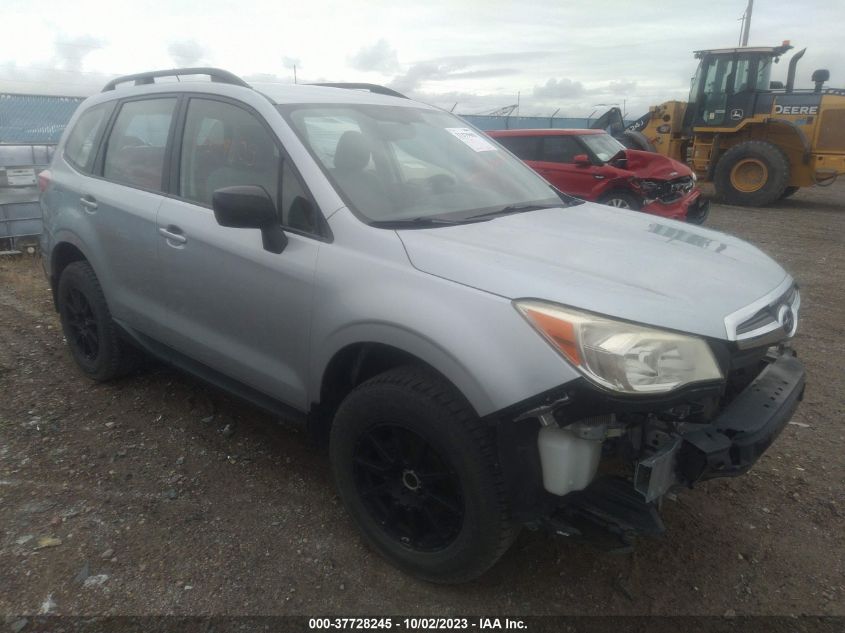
[352, 152]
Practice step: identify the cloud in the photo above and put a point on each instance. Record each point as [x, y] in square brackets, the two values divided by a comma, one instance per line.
[559, 89]
[482, 59]
[70, 52]
[411, 79]
[186, 53]
[484, 74]
[380, 57]
[619, 87]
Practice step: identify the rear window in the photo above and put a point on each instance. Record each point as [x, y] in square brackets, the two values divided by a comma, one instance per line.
[524, 147]
[136, 145]
[82, 142]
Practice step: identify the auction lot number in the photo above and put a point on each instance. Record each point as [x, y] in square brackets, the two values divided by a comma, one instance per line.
[414, 624]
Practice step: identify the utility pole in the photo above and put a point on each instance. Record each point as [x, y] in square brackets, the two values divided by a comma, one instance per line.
[746, 23]
[294, 73]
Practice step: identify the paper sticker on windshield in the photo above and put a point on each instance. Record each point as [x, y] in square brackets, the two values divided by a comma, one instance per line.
[469, 137]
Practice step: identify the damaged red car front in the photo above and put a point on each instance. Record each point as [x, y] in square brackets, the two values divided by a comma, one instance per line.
[592, 165]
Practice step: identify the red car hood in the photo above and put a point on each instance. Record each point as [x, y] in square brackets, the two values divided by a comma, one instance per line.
[652, 166]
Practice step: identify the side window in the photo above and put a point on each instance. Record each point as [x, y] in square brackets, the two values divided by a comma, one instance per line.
[136, 145]
[560, 149]
[224, 146]
[81, 144]
[525, 147]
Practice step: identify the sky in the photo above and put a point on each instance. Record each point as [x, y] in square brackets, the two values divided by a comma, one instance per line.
[576, 57]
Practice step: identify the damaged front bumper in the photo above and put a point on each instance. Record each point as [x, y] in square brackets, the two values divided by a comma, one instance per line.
[692, 207]
[635, 452]
[732, 442]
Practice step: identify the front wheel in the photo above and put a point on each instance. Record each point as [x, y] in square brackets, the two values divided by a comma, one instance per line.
[752, 173]
[622, 200]
[416, 469]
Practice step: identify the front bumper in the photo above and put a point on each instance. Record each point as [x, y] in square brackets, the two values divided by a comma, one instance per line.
[732, 442]
[747, 427]
[677, 209]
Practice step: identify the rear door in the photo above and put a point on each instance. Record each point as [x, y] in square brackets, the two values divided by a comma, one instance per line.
[122, 202]
[230, 304]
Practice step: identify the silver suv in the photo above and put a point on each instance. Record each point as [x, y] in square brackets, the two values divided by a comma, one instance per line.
[481, 351]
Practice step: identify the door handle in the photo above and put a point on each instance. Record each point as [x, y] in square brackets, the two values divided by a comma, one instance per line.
[89, 203]
[598, 177]
[173, 234]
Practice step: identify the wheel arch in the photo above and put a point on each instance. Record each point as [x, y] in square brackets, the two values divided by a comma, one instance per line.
[356, 360]
[783, 134]
[63, 253]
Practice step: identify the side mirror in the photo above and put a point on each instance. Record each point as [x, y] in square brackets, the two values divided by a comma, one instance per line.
[250, 207]
[582, 160]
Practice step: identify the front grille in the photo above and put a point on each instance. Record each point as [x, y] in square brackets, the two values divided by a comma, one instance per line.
[774, 320]
[768, 315]
[672, 190]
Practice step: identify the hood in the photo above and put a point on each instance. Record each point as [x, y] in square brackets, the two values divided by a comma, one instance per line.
[614, 262]
[652, 166]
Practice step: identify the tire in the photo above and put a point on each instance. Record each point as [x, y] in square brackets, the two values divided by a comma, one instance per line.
[91, 334]
[753, 174]
[699, 214]
[636, 140]
[622, 200]
[416, 469]
[788, 192]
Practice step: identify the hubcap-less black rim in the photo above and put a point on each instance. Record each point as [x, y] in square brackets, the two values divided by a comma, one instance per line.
[82, 324]
[408, 487]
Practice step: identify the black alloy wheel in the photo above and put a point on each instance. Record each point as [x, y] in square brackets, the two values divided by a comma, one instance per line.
[416, 469]
[82, 325]
[92, 335]
[408, 487]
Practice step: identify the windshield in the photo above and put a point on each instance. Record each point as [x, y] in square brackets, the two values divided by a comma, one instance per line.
[603, 146]
[404, 164]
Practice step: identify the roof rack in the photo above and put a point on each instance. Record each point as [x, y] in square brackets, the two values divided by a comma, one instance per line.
[141, 79]
[375, 88]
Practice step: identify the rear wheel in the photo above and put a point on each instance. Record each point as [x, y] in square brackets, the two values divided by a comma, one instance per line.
[91, 334]
[416, 470]
[753, 173]
[621, 200]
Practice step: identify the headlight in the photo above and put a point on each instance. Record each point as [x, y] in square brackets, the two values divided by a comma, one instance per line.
[621, 356]
[694, 177]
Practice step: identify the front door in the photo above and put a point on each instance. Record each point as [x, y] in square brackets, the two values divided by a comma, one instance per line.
[557, 165]
[232, 305]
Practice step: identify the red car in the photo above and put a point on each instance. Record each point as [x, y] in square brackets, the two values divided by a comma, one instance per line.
[592, 165]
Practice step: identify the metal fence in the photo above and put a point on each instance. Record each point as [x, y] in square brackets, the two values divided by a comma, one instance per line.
[484, 122]
[34, 118]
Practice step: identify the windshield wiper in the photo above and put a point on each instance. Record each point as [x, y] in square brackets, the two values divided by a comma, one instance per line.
[421, 221]
[516, 208]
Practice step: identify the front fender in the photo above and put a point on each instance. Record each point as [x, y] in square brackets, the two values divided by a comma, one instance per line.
[476, 339]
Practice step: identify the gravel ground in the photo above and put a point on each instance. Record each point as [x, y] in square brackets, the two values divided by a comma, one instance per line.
[159, 495]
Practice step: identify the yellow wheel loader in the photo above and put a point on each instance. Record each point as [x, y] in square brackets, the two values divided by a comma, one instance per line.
[756, 140]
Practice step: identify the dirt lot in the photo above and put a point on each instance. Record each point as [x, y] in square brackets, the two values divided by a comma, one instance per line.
[159, 495]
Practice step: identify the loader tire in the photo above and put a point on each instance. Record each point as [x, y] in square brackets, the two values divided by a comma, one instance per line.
[752, 174]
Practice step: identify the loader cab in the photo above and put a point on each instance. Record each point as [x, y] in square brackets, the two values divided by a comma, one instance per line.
[726, 85]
